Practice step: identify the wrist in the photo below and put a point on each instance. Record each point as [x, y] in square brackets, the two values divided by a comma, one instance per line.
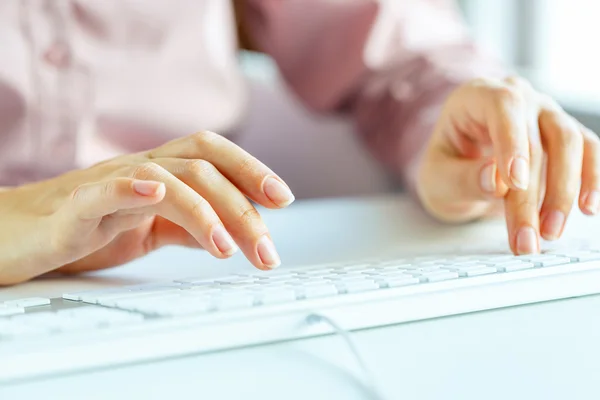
[24, 244]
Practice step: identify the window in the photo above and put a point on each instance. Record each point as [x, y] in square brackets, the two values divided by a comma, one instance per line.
[554, 43]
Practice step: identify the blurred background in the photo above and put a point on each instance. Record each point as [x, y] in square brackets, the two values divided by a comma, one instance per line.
[551, 42]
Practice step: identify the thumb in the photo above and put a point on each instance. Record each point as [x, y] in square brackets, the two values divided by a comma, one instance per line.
[461, 189]
[96, 200]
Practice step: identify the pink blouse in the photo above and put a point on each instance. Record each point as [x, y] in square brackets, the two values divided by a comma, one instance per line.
[83, 80]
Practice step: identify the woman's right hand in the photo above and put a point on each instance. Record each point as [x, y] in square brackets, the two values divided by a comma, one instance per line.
[192, 191]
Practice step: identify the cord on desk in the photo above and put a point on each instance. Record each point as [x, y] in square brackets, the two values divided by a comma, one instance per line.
[368, 382]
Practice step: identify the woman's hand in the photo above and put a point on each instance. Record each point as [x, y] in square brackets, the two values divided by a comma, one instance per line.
[503, 140]
[192, 191]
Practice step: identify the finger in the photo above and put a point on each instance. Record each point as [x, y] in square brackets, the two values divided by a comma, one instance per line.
[186, 208]
[239, 216]
[563, 141]
[462, 188]
[166, 233]
[160, 233]
[507, 117]
[96, 200]
[589, 199]
[251, 176]
[522, 207]
[114, 224]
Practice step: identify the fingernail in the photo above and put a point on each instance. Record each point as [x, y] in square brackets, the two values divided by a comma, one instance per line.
[277, 192]
[224, 241]
[527, 241]
[488, 178]
[552, 225]
[146, 188]
[267, 253]
[592, 203]
[519, 173]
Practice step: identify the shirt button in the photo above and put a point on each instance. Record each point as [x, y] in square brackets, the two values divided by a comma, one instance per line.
[58, 55]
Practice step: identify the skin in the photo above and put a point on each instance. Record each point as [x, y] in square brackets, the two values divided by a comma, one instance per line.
[194, 190]
[469, 169]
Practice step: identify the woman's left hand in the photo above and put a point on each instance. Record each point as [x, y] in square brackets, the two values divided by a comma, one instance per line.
[503, 146]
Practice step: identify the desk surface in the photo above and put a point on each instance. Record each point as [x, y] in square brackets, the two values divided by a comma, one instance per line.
[545, 351]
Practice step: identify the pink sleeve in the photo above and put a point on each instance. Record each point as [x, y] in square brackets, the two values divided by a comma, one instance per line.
[390, 63]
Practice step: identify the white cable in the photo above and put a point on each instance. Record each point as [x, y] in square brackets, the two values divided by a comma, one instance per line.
[368, 381]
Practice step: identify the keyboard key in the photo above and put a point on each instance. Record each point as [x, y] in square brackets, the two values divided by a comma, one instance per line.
[357, 286]
[440, 276]
[470, 264]
[275, 296]
[496, 259]
[195, 280]
[278, 272]
[281, 278]
[103, 297]
[462, 259]
[392, 264]
[311, 292]
[175, 308]
[27, 302]
[123, 302]
[10, 310]
[76, 296]
[478, 272]
[312, 281]
[461, 268]
[550, 262]
[398, 281]
[360, 267]
[228, 302]
[236, 279]
[316, 273]
[514, 266]
[545, 260]
[582, 256]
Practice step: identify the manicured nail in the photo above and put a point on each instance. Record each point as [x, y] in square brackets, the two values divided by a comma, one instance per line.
[267, 253]
[146, 188]
[519, 173]
[487, 179]
[277, 192]
[553, 224]
[592, 203]
[224, 241]
[527, 241]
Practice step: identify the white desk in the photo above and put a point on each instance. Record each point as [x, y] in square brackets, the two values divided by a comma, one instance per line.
[545, 351]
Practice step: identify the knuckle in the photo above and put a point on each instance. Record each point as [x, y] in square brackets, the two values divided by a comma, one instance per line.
[567, 137]
[562, 201]
[200, 209]
[485, 83]
[525, 208]
[145, 171]
[204, 138]
[200, 168]
[109, 189]
[536, 151]
[248, 166]
[506, 95]
[549, 103]
[519, 82]
[593, 141]
[249, 216]
[77, 193]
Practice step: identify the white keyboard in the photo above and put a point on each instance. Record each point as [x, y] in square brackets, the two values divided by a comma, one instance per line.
[40, 336]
